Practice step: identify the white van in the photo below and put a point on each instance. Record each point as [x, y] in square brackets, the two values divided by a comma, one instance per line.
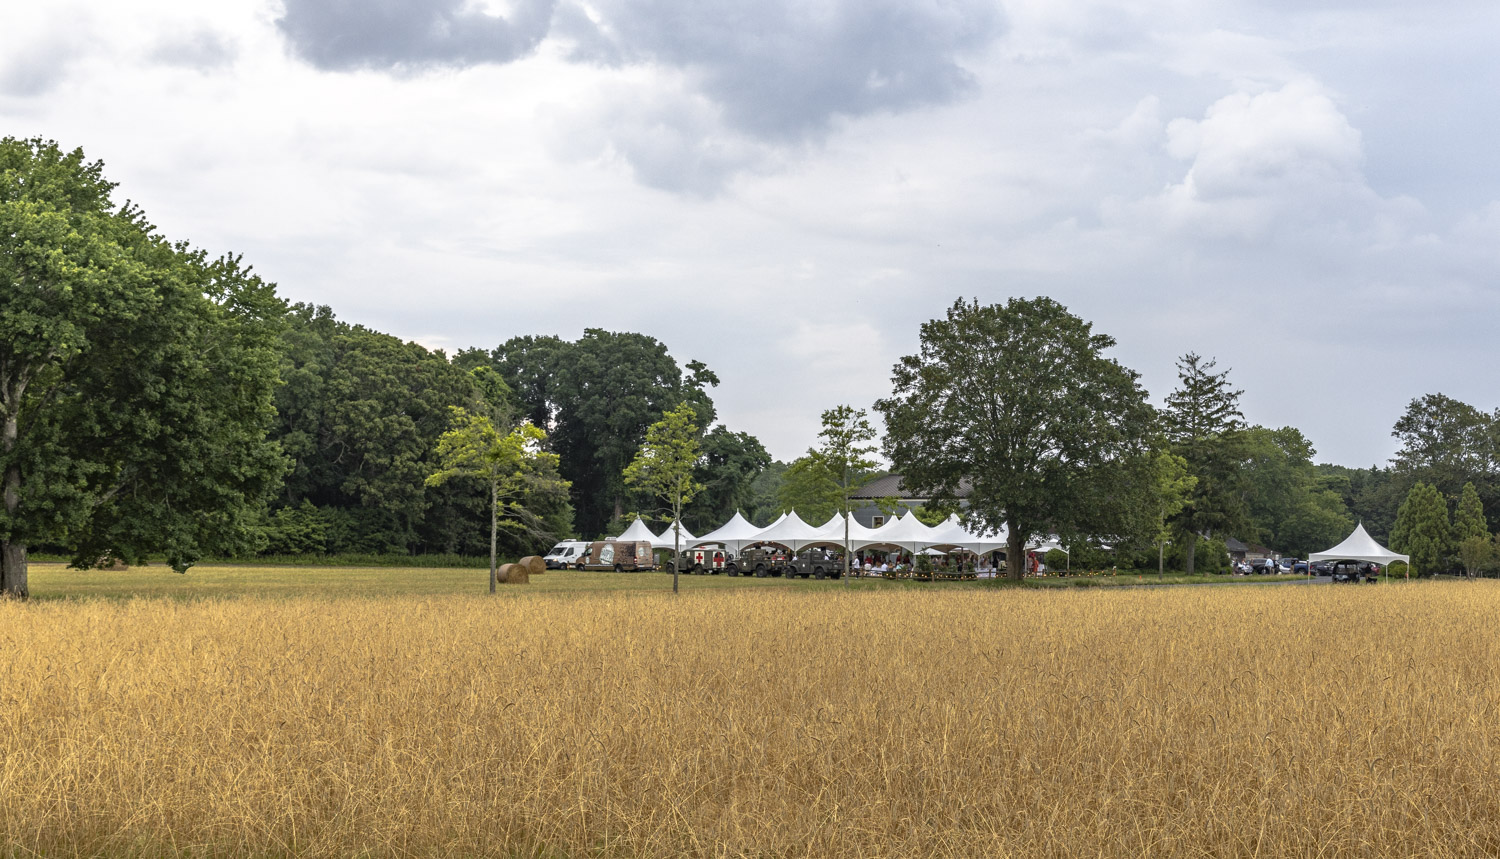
[565, 554]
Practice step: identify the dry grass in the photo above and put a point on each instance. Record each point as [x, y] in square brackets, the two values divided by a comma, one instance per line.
[1285, 721]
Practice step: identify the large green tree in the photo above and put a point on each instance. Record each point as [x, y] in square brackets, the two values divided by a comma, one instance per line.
[1290, 505]
[731, 462]
[135, 377]
[1448, 443]
[597, 395]
[1019, 403]
[1203, 425]
[360, 414]
[1422, 529]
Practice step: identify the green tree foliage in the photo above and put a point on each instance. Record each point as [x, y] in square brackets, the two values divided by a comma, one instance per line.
[513, 469]
[731, 462]
[665, 465]
[360, 414]
[765, 494]
[1174, 485]
[597, 395]
[1020, 401]
[1468, 519]
[1422, 529]
[135, 377]
[811, 488]
[1290, 506]
[1203, 425]
[1476, 552]
[845, 454]
[1447, 443]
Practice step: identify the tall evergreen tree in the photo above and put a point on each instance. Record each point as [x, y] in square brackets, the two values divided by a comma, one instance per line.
[1203, 424]
[1422, 529]
[1468, 519]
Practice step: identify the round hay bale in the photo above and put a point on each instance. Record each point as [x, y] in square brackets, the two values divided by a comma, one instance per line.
[534, 564]
[514, 574]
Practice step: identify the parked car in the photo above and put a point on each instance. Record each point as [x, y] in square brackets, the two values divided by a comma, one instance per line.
[1300, 568]
[564, 554]
[1351, 572]
[1322, 568]
[1263, 567]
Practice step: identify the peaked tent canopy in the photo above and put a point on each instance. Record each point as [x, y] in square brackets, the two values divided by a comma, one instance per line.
[732, 535]
[953, 534]
[668, 541]
[638, 531]
[906, 532]
[832, 531]
[789, 531]
[1359, 546]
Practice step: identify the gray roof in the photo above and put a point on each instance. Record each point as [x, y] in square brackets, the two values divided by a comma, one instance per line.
[890, 486]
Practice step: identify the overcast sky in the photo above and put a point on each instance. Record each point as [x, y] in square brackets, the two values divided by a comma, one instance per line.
[785, 189]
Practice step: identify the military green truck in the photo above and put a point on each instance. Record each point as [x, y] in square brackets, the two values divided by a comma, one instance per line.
[756, 562]
[814, 563]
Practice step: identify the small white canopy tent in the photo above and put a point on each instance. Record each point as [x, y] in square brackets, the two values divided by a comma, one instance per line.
[1359, 546]
[732, 535]
[638, 531]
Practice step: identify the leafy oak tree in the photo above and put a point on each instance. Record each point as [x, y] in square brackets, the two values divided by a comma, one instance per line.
[513, 468]
[135, 377]
[1020, 401]
[664, 468]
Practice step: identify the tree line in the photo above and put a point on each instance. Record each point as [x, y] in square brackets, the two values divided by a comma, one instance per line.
[157, 401]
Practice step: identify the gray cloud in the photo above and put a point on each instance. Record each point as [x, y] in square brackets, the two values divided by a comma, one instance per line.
[786, 68]
[203, 50]
[397, 34]
[40, 66]
[780, 69]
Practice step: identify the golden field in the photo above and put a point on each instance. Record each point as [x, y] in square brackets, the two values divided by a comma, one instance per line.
[1217, 721]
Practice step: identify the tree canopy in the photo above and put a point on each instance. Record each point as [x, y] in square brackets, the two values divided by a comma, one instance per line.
[136, 377]
[1019, 403]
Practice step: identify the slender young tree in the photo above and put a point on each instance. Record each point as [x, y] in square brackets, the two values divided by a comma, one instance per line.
[845, 454]
[1173, 486]
[513, 467]
[664, 468]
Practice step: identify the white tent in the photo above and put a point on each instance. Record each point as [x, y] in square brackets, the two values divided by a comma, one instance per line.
[832, 531]
[667, 540]
[789, 531]
[1359, 546]
[954, 535]
[732, 535]
[906, 532]
[638, 531]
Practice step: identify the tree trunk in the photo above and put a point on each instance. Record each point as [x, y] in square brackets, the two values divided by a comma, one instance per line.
[494, 530]
[676, 541]
[1190, 550]
[1015, 552]
[13, 569]
[12, 552]
[1161, 560]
